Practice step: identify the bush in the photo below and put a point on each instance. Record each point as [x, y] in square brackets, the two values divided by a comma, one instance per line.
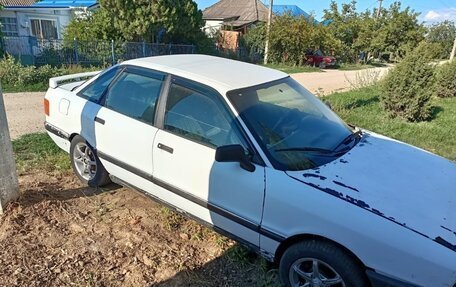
[290, 38]
[14, 74]
[445, 85]
[408, 88]
[18, 77]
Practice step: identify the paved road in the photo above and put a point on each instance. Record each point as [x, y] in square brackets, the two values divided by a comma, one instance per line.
[25, 110]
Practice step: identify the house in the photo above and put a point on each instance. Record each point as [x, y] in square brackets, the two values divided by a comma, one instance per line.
[234, 15]
[45, 19]
[293, 10]
[238, 15]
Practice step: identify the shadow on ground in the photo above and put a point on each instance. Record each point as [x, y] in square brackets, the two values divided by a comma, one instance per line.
[60, 233]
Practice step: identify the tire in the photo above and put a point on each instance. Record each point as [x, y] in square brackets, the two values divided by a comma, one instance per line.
[86, 164]
[331, 261]
[322, 65]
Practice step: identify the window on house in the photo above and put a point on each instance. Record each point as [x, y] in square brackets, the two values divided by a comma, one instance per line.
[9, 26]
[46, 29]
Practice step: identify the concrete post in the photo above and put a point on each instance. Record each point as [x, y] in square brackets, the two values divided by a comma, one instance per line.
[453, 52]
[268, 31]
[9, 189]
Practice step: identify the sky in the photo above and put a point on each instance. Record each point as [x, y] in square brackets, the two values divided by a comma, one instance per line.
[431, 10]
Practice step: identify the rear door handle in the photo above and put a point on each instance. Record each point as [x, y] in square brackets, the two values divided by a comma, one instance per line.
[165, 148]
[99, 120]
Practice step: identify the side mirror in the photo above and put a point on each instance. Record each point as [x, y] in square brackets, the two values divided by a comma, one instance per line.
[234, 153]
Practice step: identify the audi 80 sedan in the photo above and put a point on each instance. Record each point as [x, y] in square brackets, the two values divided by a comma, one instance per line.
[248, 151]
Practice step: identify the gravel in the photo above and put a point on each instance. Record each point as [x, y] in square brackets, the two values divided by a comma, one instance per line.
[24, 112]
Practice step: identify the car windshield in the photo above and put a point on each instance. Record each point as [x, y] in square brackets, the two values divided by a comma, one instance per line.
[296, 130]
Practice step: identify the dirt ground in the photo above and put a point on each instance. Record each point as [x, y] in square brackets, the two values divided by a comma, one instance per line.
[25, 113]
[25, 110]
[60, 233]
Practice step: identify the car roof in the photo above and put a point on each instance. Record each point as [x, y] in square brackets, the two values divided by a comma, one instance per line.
[219, 73]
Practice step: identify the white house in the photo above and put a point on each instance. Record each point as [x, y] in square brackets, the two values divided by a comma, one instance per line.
[44, 19]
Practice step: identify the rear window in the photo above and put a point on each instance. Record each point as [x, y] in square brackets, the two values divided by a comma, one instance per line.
[95, 90]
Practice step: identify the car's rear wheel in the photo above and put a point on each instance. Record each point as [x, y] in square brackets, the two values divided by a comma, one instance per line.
[86, 164]
[315, 263]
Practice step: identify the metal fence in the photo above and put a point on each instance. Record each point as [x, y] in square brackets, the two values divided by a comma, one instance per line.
[35, 51]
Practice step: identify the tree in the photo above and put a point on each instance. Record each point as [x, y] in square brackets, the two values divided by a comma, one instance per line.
[395, 31]
[92, 25]
[442, 34]
[446, 80]
[290, 38]
[400, 31]
[408, 88]
[143, 19]
[176, 21]
[345, 26]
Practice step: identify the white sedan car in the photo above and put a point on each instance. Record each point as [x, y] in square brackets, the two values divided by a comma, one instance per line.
[248, 151]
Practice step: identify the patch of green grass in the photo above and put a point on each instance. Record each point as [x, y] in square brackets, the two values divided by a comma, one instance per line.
[38, 151]
[293, 69]
[357, 66]
[39, 87]
[362, 108]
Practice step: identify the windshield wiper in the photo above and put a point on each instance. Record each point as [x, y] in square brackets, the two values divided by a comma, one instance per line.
[309, 149]
[356, 134]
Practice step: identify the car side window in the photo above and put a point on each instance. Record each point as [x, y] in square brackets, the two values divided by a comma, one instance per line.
[134, 95]
[95, 90]
[200, 117]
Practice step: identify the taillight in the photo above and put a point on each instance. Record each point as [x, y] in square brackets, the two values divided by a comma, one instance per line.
[46, 107]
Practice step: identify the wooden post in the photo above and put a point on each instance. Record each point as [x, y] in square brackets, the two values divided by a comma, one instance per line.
[9, 189]
[268, 30]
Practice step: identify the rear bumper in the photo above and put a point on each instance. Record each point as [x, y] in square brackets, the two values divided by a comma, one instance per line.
[378, 280]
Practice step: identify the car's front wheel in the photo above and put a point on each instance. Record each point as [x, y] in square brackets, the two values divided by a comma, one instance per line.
[86, 164]
[315, 263]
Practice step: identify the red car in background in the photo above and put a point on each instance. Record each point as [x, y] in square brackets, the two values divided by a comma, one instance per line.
[318, 59]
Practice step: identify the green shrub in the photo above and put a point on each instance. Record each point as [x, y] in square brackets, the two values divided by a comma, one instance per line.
[408, 88]
[445, 85]
[14, 74]
[17, 77]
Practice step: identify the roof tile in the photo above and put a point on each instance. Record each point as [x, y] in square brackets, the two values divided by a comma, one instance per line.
[7, 3]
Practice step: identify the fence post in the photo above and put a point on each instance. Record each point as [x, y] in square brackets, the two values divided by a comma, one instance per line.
[193, 49]
[169, 47]
[144, 48]
[112, 52]
[9, 189]
[76, 55]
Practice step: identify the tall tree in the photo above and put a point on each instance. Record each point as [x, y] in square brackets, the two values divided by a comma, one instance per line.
[345, 25]
[143, 19]
[174, 21]
[442, 34]
[400, 31]
[394, 30]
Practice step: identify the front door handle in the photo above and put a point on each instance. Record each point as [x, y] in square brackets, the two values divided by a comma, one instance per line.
[165, 148]
[99, 120]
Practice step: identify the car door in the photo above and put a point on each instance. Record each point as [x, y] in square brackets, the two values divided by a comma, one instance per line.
[194, 122]
[124, 125]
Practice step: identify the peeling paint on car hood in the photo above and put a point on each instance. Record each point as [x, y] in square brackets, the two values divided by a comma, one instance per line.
[402, 183]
